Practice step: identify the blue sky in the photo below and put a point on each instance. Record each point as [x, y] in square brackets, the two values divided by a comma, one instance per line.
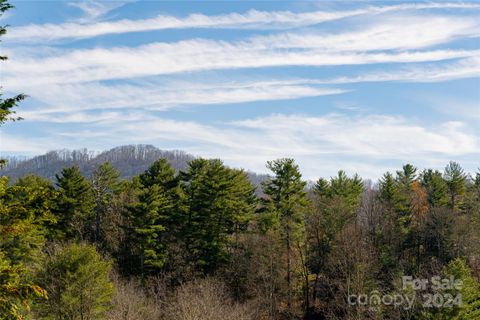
[360, 86]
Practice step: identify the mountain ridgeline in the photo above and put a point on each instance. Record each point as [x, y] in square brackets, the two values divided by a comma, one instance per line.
[129, 160]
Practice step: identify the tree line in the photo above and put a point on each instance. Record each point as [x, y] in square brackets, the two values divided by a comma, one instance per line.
[71, 249]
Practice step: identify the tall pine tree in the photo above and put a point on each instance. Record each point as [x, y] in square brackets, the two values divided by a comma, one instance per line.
[153, 217]
[285, 207]
[220, 202]
[455, 178]
[106, 184]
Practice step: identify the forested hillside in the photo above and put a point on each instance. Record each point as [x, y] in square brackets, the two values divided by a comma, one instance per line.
[129, 160]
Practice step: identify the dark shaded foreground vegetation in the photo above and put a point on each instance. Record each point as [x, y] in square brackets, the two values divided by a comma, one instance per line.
[200, 244]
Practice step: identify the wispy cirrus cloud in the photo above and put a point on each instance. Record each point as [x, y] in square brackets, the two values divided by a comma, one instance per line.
[76, 98]
[386, 42]
[192, 56]
[69, 100]
[397, 32]
[252, 19]
[92, 10]
[461, 69]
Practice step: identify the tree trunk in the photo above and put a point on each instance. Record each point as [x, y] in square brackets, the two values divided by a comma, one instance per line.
[272, 290]
[289, 278]
[315, 292]
[305, 277]
[97, 226]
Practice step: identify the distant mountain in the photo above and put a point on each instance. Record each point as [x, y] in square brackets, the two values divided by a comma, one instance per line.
[130, 160]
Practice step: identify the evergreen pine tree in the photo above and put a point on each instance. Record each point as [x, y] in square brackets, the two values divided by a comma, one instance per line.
[147, 227]
[77, 280]
[21, 239]
[74, 205]
[27, 213]
[153, 219]
[285, 203]
[436, 187]
[220, 202]
[455, 178]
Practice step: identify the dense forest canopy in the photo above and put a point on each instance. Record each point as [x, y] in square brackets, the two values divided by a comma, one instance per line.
[200, 244]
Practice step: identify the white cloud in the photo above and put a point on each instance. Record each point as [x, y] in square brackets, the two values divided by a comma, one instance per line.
[77, 116]
[321, 144]
[91, 9]
[67, 102]
[158, 59]
[385, 33]
[14, 144]
[375, 136]
[464, 68]
[75, 98]
[386, 41]
[457, 106]
[250, 20]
